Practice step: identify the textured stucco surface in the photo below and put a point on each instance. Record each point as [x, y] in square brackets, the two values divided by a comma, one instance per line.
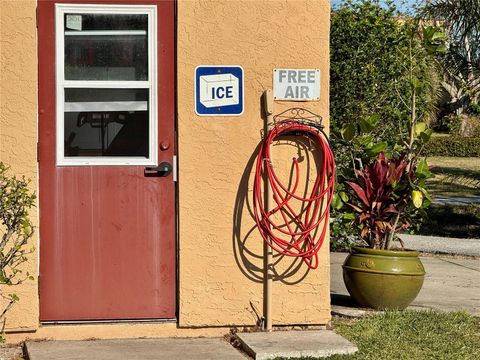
[220, 251]
[18, 129]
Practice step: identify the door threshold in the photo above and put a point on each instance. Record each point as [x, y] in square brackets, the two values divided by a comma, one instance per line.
[120, 321]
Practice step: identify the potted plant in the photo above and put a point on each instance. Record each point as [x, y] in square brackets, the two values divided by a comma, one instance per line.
[387, 193]
[386, 197]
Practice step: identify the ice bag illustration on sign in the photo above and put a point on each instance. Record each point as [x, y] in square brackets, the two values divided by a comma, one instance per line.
[218, 90]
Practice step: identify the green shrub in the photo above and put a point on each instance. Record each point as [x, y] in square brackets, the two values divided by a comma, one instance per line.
[456, 146]
[466, 125]
[363, 62]
[16, 228]
[451, 123]
[369, 61]
[474, 108]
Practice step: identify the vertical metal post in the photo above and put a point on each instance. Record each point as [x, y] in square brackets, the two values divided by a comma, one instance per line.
[267, 250]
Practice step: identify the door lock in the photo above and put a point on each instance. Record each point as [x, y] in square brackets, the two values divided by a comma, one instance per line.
[163, 169]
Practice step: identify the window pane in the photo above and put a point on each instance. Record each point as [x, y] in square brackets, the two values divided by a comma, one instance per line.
[106, 47]
[106, 122]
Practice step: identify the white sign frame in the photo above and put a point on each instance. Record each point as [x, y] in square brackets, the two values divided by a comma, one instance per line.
[295, 83]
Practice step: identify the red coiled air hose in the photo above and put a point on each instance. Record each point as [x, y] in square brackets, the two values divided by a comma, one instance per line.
[295, 235]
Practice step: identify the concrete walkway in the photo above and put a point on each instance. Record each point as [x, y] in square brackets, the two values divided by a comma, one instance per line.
[450, 284]
[456, 200]
[442, 245]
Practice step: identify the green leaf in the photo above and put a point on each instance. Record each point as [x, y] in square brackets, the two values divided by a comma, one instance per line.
[422, 170]
[369, 124]
[348, 132]
[343, 196]
[426, 135]
[425, 193]
[434, 40]
[337, 203]
[426, 203]
[373, 119]
[419, 128]
[365, 140]
[416, 82]
[349, 216]
[376, 149]
[397, 147]
[417, 198]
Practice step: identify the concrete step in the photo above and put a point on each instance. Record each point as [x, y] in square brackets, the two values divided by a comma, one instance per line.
[134, 349]
[294, 344]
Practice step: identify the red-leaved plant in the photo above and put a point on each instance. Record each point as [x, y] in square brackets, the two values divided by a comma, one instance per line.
[385, 195]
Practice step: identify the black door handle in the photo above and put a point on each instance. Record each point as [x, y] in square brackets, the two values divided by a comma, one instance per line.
[163, 169]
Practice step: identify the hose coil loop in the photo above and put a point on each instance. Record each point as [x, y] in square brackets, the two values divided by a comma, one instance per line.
[298, 233]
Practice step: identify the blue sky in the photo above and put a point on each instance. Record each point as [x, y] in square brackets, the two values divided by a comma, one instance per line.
[402, 5]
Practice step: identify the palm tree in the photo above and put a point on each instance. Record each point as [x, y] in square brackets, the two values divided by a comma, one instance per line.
[461, 61]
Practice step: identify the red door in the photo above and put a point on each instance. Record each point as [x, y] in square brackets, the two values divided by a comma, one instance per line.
[106, 113]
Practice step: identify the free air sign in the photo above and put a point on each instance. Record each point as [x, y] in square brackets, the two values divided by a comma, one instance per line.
[296, 84]
[218, 90]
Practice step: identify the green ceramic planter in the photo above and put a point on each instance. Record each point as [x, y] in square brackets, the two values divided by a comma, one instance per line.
[383, 279]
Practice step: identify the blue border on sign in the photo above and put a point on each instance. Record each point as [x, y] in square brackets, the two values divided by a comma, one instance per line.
[229, 110]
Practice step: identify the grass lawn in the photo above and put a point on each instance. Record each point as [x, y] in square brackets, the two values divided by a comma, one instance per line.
[455, 176]
[412, 335]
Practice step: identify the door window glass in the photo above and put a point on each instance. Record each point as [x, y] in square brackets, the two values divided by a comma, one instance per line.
[106, 122]
[106, 103]
[106, 47]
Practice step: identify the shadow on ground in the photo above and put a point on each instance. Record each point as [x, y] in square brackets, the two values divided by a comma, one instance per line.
[343, 300]
[460, 221]
[452, 181]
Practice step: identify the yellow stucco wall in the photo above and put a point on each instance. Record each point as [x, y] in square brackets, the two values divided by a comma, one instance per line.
[18, 129]
[220, 251]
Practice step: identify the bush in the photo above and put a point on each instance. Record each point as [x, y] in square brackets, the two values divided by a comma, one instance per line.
[15, 230]
[464, 125]
[369, 62]
[450, 123]
[456, 146]
[363, 61]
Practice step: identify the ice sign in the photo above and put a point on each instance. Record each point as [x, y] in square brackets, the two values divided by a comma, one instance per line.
[218, 90]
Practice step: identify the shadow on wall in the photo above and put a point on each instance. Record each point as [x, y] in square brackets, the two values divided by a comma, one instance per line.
[247, 251]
